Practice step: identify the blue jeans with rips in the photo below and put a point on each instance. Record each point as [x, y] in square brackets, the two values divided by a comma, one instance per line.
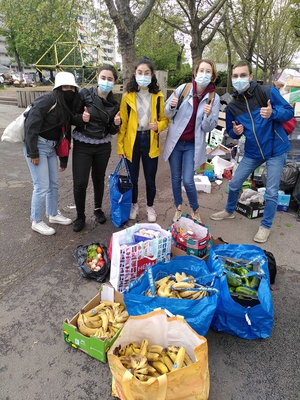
[45, 179]
[274, 167]
[182, 169]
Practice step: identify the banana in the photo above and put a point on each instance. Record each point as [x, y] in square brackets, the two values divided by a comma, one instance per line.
[167, 288]
[155, 348]
[161, 290]
[100, 333]
[85, 330]
[151, 370]
[122, 317]
[138, 361]
[119, 325]
[173, 349]
[183, 285]
[144, 346]
[90, 323]
[143, 370]
[162, 281]
[187, 293]
[172, 356]
[179, 359]
[110, 303]
[110, 314]
[104, 318]
[180, 277]
[167, 361]
[152, 356]
[160, 367]
[187, 359]
[128, 350]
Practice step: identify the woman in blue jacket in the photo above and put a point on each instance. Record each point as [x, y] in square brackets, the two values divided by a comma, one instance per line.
[185, 145]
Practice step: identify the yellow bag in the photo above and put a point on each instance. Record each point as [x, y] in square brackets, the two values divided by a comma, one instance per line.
[188, 383]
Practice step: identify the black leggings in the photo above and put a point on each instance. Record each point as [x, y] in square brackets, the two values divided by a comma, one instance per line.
[87, 157]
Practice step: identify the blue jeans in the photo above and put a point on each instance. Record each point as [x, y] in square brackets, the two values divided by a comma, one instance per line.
[182, 168]
[45, 179]
[245, 168]
[141, 150]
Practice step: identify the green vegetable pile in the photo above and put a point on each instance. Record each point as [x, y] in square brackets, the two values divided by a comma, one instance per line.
[238, 279]
[92, 252]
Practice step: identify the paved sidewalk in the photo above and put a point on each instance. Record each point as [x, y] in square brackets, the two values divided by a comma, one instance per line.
[40, 286]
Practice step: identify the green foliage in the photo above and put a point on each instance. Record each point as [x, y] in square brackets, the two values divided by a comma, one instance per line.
[160, 46]
[176, 78]
[222, 79]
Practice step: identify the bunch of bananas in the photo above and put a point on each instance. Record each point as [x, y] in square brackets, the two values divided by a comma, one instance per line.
[179, 286]
[147, 362]
[103, 321]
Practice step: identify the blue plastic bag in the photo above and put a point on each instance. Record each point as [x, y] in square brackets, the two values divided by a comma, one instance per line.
[248, 322]
[120, 198]
[197, 313]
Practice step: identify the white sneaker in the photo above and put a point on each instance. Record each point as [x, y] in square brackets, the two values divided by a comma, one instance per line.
[262, 235]
[134, 212]
[59, 219]
[42, 228]
[220, 215]
[151, 214]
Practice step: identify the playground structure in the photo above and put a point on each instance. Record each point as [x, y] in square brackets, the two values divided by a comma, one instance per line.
[79, 57]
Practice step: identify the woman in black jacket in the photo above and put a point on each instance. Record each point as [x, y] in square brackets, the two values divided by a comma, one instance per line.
[49, 115]
[92, 142]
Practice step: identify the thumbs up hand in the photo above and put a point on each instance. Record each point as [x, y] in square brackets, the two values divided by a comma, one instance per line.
[174, 100]
[265, 112]
[86, 115]
[153, 125]
[238, 129]
[117, 119]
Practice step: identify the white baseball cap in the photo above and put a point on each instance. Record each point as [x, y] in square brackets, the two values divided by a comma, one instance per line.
[64, 79]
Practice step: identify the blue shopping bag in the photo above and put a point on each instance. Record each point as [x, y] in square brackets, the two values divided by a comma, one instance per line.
[197, 313]
[120, 195]
[249, 317]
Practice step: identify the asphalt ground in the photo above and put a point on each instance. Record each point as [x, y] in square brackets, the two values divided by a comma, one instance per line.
[40, 286]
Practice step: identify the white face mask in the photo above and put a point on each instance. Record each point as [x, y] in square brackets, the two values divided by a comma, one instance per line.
[143, 81]
[203, 79]
[240, 84]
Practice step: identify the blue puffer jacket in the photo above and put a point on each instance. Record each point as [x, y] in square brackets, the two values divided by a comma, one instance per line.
[265, 138]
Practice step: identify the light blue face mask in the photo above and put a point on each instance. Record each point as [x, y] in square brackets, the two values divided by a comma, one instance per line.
[105, 86]
[203, 79]
[143, 81]
[240, 84]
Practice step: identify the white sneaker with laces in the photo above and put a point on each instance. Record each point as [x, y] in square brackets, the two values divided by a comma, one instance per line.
[42, 228]
[151, 214]
[134, 212]
[59, 219]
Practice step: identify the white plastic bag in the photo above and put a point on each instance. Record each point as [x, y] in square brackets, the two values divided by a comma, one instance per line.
[14, 132]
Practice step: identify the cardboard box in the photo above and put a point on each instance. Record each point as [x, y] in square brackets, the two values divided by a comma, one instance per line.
[175, 251]
[255, 210]
[92, 345]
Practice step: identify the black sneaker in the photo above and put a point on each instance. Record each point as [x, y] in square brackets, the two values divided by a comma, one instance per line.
[100, 216]
[78, 225]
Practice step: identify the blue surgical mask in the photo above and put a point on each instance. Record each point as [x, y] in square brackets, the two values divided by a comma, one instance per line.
[143, 81]
[203, 79]
[240, 84]
[105, 86]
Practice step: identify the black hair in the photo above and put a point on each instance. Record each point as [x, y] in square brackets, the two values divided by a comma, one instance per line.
[65, 109]
[109, 68]
[153, 87]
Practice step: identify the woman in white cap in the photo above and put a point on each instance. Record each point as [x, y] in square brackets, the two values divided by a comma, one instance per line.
[49, 116]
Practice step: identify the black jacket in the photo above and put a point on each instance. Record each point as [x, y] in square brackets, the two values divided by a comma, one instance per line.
[48, 124]
[101, 111]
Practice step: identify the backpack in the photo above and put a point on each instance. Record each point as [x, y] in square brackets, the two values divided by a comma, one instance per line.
[271, 266]
[290, 125]
[184, 93]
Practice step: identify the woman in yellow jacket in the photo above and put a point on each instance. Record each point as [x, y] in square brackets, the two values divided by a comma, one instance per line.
[142, 116]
